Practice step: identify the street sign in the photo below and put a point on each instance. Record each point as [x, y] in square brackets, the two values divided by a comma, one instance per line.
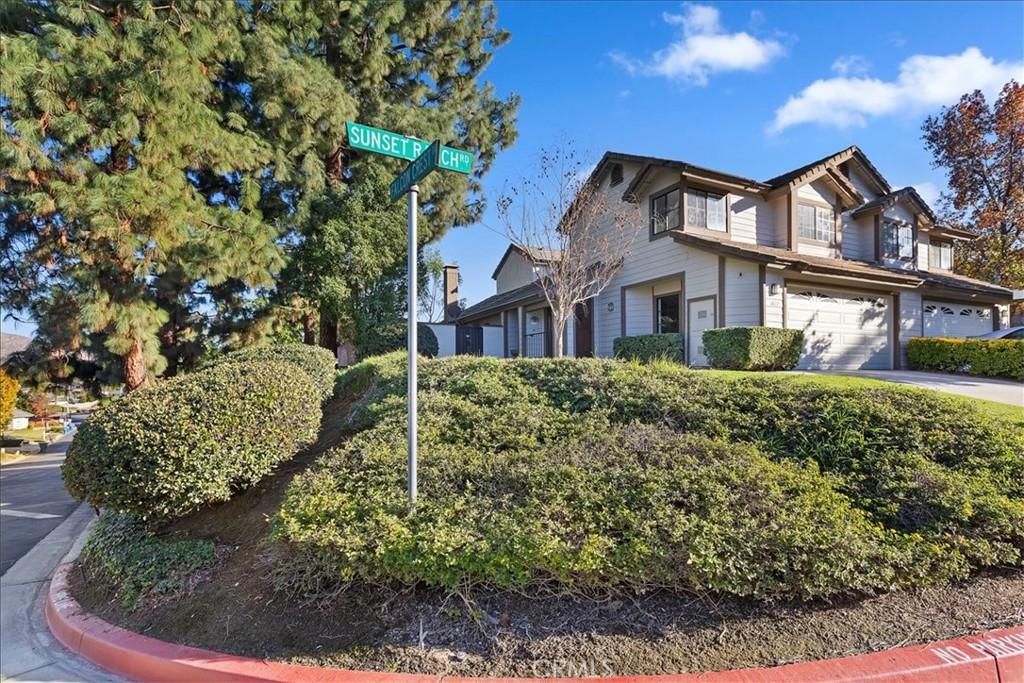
[390, 144]
[417, 169]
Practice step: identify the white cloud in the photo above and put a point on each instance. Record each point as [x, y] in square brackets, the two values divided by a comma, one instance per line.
[623, 94]
[851, 65]
[924, 82]
[703, 48]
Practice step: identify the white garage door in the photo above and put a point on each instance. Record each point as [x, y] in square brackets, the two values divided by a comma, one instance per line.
[842, 330]
[947, 319]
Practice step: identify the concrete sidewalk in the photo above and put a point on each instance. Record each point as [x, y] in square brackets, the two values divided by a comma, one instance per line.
[28, 652]
[999, 390]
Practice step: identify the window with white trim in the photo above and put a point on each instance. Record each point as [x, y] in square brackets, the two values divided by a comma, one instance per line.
[897, 241]
[940, 255]
[817, 223]
[665, 211]
[705, 210]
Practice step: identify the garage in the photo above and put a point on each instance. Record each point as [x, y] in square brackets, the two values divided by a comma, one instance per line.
[949, 319]
[843, 330]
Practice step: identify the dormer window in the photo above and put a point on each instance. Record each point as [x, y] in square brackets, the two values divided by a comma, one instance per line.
[817, 223]
[897, 241]
[940, 256]
[616, 175]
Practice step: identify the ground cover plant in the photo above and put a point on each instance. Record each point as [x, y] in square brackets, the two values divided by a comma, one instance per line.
[593, 475]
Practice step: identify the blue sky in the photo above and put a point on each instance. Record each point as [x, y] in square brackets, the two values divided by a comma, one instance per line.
[709, 83]
[749, 88]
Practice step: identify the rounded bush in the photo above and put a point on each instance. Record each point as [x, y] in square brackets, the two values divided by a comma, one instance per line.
[388, 337]
[753, 348]
[319, 363]
[162, 452]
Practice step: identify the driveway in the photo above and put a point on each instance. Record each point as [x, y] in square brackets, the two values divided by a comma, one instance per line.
[1000, 390]
[32, 501]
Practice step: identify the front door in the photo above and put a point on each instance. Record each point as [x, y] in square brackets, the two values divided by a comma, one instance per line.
[701, 317]
[584, 332]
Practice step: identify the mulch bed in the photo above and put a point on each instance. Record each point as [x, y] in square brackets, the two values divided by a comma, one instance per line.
[236, 610]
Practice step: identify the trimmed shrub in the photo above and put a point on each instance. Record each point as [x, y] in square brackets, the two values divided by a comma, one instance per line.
[123, 556]
[317, 362]
[753, 348]
[581, 474]
[988, 357]
[162, 452]
[388, 337]
[648, 347]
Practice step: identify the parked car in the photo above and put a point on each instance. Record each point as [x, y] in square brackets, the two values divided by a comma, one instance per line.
[1006, 333]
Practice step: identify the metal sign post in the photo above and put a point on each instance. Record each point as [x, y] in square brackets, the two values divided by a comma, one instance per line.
[424, 157]
[410, 400]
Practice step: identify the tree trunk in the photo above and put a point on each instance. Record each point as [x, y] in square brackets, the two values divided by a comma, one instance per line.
[309, 328]
[558, 334]
[135, 376]
[329, 332]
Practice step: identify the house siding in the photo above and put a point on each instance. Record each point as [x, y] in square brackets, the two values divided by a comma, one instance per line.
[910, 324]
[774, 312]
[923, 242]
[742, 294]
[515, 272]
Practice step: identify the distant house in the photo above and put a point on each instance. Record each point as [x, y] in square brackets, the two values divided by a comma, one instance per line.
[829, 248]
[19, 420]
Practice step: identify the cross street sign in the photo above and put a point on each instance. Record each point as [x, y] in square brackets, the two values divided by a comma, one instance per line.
[417, 169]
[391, 144]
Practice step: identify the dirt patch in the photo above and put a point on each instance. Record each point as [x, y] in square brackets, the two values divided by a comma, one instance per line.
[235, 609]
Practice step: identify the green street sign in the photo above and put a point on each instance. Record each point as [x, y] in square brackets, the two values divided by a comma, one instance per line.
[385, 142]
[417, 169]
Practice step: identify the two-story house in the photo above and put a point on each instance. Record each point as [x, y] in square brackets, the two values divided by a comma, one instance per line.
[829, 248]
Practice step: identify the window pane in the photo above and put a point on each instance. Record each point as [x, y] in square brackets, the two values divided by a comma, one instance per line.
[934, 257]
[716, 213]
[906, 243]
[806, 218]
[672, 210]
[890, 247]
[696, 208]
[658, 214]
[825, 228]
[946, 256]
[668, 313]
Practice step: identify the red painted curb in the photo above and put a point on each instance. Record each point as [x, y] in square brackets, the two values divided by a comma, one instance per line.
[992, 657]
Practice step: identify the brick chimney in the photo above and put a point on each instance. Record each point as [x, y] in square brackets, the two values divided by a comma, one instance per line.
[451, 294]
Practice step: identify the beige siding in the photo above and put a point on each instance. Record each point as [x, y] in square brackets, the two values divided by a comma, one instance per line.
[779, 211]
[742, 293]
[858, 238]
[815, 249]
[818, 191]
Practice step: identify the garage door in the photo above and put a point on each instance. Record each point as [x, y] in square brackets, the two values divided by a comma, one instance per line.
[947, 319]
[842, 330]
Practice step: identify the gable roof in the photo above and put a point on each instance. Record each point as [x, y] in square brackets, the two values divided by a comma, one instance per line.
[649, 163]
[886, 200]
[851, 152]
[532, 254]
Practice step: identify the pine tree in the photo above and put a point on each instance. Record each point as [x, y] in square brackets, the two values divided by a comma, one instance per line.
[111, 119]
[412, 67]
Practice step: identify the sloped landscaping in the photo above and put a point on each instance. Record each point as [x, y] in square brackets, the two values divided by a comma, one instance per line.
[633, 518]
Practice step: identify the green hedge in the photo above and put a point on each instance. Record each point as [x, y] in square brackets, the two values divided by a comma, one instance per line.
[122, 555]
[648, 347]
[162, 452]
[319, 363]
[753, 348]
[388, 337]
[989, 357]
[580, 474]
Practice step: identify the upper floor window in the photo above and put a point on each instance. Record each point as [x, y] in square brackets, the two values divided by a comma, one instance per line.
[616, 176]
[817, 223]
[940, 255]
[705, 210]
[665, 211]
[897, 241]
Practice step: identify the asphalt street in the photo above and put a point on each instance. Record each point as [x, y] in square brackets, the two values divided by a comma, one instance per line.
[32, 501]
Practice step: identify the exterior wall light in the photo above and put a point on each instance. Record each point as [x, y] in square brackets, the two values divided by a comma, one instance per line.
[773, 289]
